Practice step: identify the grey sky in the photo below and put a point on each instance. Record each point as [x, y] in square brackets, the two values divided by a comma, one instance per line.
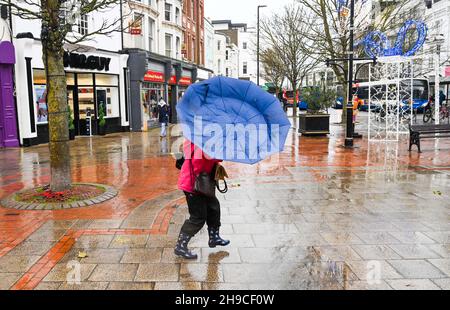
[241, 11]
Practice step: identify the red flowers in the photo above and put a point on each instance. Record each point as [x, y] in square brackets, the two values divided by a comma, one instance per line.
[53, 195]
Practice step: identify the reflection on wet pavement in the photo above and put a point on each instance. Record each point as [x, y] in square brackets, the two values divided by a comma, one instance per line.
[317, 216]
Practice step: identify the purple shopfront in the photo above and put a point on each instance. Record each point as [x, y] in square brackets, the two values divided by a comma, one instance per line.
[8, 116]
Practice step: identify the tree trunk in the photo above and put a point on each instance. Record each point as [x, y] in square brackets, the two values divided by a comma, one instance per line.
[58, 114]
[58, 122]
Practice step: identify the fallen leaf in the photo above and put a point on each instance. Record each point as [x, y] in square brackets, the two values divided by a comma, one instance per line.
[82, 255]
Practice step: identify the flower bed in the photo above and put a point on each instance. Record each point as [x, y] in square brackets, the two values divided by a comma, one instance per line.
[43, 194]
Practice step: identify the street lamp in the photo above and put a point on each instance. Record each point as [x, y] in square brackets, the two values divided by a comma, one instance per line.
[438, 40]
[257, 44]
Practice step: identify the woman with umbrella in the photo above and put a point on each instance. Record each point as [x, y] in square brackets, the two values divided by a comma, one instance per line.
[248, 125]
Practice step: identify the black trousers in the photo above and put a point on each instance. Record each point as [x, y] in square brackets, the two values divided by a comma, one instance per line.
[202, 209]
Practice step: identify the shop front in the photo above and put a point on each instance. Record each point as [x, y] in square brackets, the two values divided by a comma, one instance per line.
[153, 77]
[95, 89]
[8, 118]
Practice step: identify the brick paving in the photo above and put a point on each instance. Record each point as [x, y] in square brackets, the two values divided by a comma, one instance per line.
[318, 217]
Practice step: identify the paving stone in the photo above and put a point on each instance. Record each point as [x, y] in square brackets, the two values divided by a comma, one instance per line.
[114, 272]
[201, 273]
[413, 284]
[7, 279]
[178, 286]
[129, 241]
[93, 241]
[168, 256]
[141, 256]
[416, 269]
[365, 269]
[84, 286]
[129, 286]
[412, 237]
[66, 272]
[15, 264]
[380, 252]
[158, 273]
[442, 264]
[105, 224]
[96, 256]
[413, 251]
[48, 286]
[443, 283]
[161, 241]
[363, 285]
[341, 238]
[377, 238]
[32, 248]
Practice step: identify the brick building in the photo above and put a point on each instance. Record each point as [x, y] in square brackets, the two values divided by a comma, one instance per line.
[193, 48]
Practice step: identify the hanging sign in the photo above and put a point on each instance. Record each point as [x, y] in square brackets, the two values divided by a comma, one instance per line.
[173, 80]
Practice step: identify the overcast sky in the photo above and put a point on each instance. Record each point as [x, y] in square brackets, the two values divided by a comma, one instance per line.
[241, 11]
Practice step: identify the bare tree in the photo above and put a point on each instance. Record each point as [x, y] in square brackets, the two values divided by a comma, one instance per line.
[327, 33]
[273, 67]
[57, 19]
[283, 34]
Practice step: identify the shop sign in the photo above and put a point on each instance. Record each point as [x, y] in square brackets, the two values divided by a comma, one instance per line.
[447, 71]
[81, 61]
[173, 80]
[185, 81]
[153, 76]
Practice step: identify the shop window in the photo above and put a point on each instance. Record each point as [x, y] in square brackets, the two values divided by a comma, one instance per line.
[106, 80]
[85, 79]
[86, 101]
[178, 47]
[70, 79]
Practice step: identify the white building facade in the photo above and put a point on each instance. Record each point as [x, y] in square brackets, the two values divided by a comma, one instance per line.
[96, 73]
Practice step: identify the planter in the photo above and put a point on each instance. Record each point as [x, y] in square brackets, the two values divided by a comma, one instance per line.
[314, 124]
[101, 130]
[71, 134]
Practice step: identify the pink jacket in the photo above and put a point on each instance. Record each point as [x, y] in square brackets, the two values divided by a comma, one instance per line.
[201, 163]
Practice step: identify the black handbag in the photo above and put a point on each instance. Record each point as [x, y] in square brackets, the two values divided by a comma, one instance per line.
[179, 162]
[205, 185]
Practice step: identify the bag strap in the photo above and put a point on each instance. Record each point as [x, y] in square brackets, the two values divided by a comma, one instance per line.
[225, 188]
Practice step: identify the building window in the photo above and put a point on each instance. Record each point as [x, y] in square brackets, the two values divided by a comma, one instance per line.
[218, 45]
[227, 55]
[244, 45]
[227, 72]
[219, 65]
[178, 47]
[168, 45]
[245, 68]
[168, 12]
[177, 15]
[83, 25]
[151, 33]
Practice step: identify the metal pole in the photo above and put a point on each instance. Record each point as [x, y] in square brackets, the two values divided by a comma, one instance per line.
[257, 48]
[257, 43]
[349, 131]
[437, 103]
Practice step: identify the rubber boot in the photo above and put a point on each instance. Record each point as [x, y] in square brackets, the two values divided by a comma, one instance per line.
[181, 249]
[215, 239]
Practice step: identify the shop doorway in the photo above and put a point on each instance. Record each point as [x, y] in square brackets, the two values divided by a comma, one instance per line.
[71, 99]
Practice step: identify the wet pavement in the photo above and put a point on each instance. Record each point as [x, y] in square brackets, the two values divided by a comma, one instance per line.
[318, 216]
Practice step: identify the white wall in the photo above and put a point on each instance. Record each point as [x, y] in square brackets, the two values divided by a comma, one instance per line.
[173, 28]
[4, 30]
[209, 45]
[248, 55]
[219, 54]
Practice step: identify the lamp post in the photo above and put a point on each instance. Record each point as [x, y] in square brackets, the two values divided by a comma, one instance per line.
[437, 68]
[349, 127]
[257, 44]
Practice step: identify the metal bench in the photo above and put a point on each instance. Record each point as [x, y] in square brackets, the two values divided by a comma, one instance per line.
[418, 132]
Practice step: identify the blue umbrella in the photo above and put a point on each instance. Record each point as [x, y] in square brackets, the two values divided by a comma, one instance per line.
[233, 120]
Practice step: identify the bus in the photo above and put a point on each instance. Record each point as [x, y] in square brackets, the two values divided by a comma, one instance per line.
[421, 94]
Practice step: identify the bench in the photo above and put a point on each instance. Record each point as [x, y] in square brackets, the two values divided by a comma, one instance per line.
[418, 132]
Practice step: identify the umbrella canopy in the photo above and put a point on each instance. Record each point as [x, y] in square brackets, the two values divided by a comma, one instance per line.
[233, 120]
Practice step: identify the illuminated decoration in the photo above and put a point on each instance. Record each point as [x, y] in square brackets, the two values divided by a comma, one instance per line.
[377, 44]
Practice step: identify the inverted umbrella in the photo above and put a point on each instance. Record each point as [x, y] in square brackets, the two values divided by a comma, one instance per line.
[233, 120]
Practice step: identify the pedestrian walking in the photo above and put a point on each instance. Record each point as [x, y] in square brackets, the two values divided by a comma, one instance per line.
[442, 97]
[203, 207]
[163, 112]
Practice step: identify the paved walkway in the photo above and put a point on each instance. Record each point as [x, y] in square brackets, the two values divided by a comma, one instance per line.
[317, 217]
